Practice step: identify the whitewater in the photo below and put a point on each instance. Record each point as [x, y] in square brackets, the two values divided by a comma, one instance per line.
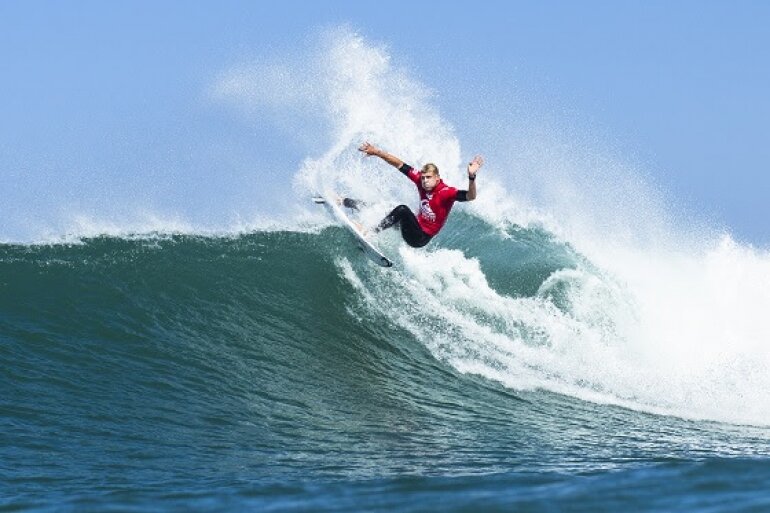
[652, 312]
[571, 336]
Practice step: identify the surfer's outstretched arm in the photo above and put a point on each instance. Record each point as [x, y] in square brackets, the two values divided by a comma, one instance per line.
[370, 150]
[473, 168]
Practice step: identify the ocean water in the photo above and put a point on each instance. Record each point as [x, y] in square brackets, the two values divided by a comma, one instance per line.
[567, 343]
[282, 371]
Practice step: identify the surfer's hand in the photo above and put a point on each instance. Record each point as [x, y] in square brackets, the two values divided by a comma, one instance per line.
[369, 149]
[475, 165]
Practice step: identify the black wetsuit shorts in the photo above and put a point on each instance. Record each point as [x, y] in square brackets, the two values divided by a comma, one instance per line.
[410, 228]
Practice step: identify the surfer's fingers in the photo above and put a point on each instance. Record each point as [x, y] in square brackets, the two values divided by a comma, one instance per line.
[366, 149]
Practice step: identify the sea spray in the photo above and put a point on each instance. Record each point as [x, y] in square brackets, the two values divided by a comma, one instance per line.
[639, 318]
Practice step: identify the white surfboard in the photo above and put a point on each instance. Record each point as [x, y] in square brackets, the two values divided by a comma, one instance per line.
[369, 249]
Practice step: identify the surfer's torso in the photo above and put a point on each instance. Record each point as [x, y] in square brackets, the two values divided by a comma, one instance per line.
[434, 205]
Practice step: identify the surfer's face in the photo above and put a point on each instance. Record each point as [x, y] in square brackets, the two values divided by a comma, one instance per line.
[428, 180]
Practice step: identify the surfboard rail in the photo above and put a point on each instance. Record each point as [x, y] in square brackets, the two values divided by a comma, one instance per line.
[370, 250]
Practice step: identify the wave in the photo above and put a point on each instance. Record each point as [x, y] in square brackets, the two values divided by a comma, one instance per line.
[568, 274]
[517, 307]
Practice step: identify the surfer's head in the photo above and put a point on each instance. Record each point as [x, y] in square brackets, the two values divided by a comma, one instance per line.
[429, 176]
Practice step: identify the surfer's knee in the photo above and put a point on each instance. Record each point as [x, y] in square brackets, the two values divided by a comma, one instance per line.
[401, 210]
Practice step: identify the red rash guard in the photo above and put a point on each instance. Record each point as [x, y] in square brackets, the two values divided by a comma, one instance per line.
[434, 206]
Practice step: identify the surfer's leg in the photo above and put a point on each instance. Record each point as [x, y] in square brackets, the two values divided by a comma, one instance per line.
[412, 233]
[396, 215]
[410, 228]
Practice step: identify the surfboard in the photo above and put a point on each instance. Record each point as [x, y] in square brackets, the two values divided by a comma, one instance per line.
[369, 249]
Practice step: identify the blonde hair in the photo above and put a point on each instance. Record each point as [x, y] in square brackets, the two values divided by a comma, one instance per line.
[430, 168]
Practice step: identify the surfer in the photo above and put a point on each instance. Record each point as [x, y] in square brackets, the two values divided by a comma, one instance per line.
[436, 198]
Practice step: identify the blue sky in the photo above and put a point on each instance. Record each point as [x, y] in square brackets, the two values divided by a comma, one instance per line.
[104, 106]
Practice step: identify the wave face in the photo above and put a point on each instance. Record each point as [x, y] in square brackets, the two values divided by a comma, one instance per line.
[210, 372]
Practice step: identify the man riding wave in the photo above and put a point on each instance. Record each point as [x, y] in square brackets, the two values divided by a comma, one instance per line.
[436, 198]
